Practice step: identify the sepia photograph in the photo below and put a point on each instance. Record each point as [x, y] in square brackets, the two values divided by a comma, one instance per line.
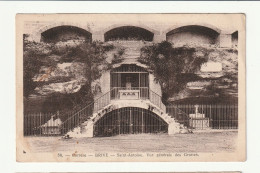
[130, 87]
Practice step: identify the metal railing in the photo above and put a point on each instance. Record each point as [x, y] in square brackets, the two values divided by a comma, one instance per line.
[157, 100]
[54, 124]
[83, 114]
[143, 92]
[179, 115]
[36, 124]
[214, 116]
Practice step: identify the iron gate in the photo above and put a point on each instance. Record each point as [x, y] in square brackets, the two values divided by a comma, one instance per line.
[129, 120]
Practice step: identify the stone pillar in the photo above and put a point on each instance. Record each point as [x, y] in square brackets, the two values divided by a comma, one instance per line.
[225, 40]
[98, 37]
[159, 38]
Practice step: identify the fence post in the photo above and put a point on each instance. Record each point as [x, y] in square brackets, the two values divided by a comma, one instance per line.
[40, 123]
[210, 118]
[218, 116]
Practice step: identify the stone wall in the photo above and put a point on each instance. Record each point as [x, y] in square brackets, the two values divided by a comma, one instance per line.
[217, 77]
[162, 27]
[98, 25]
[191, 38]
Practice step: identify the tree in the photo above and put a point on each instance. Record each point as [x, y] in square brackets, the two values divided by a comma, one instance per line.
[35, 55]
[93, 56]
[172, 67]
[38, 55]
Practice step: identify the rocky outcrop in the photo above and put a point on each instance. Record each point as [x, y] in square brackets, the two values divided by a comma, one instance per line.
[218, 76]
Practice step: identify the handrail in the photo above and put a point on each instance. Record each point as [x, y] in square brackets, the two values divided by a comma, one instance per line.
[178, 108]
[145, 93]
[178, 115]
[80, 116]
[130, 88]
[157, 100]
[88, 105]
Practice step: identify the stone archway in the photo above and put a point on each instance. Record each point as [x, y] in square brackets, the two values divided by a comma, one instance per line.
[128, 32]
[206, 25]
[193, 34]
[129, 120]
[65, 33]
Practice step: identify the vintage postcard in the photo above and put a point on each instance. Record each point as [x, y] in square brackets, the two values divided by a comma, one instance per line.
[130, 87]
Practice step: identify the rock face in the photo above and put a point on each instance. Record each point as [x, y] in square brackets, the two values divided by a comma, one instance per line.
[69, 77]
[65, 78]
[218, 76]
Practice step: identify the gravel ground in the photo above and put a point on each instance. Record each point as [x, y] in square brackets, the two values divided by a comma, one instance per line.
[215, 141]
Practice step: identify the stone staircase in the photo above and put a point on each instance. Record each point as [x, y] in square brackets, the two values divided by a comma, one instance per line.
[85, 125]
[86, 129]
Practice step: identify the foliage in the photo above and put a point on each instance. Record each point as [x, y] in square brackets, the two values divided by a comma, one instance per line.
[65, 103]
[172, 67]
[35, 55]
[38, 55]
[93, 56]
[118, 56]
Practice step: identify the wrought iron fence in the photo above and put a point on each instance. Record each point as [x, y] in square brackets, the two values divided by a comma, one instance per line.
[206, 116]
[56, 124]
[59, 124]
[143, 93]
[77, 118]
[191, 116]
[80, 116]
[129, 120]
[41, 124]
[179, 115]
